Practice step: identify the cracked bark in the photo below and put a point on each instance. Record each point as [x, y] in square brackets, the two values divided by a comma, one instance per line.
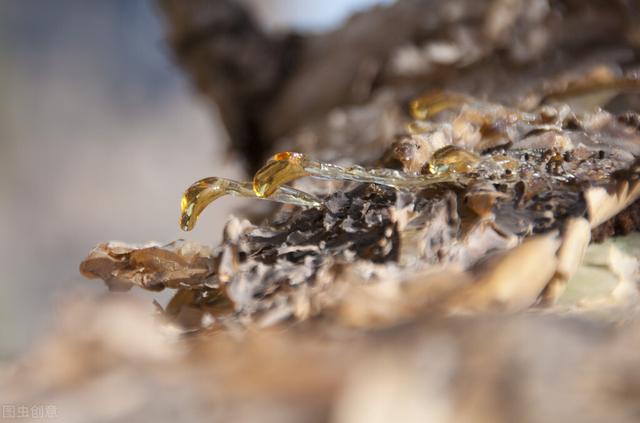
[269, 86]
[361, 293]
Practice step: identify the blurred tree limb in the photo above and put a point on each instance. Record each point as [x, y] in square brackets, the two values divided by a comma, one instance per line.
[268, 85]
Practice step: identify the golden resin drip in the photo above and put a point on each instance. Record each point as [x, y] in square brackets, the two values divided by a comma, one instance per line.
[453, 159]
[288, 166]
[431, 104]
[284, 167]
[203, 192]
[594, 89]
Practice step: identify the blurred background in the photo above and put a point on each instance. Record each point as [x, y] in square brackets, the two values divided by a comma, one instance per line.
[99, 135]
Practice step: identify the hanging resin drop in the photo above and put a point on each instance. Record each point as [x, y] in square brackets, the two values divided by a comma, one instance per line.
[284, 167]
[431, 104]
[203, 192]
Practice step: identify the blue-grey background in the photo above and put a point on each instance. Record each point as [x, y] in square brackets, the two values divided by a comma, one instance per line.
[99, 135]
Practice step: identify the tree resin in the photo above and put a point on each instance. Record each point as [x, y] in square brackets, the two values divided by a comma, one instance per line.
[431, 104]
[203, 192]
[288, 166]
[453, 159]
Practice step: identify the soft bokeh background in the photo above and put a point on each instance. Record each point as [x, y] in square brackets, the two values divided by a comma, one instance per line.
[99, 135]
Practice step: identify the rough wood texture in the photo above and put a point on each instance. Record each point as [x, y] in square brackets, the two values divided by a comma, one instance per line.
[268, 87]
[458, 301]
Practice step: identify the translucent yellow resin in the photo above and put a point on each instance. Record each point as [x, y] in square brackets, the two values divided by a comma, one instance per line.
[282, 168]
[199, 195]
[288, 166]
[453, 159]
[431, 104]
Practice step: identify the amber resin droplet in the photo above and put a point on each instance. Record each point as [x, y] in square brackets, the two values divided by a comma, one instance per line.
[199, 195]
[433, 103]
[284, 167]
[592, 90]
[453, 159]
